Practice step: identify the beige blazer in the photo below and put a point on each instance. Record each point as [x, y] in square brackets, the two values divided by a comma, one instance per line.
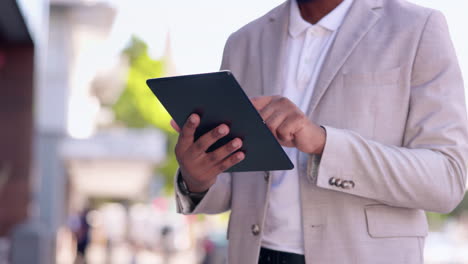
[391, 98]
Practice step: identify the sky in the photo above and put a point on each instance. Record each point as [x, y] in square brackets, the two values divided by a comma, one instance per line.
[197, 31]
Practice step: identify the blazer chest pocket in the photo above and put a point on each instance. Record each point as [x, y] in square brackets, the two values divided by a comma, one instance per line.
[373, 79]
[361, 97]
[385, 221]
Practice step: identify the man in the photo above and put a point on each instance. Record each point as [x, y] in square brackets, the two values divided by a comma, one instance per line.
[367, 98]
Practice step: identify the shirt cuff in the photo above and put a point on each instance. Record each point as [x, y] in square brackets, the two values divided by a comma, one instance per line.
[186, 204]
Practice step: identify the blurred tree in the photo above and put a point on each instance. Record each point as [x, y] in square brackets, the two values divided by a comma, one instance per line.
[137, 107]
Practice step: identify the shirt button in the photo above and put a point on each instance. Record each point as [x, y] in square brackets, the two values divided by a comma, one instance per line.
[255, 230]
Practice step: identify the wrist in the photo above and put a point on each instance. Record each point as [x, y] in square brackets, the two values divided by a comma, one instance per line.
[322, 139]
[196, 197]
[193, 186]
[316, 139]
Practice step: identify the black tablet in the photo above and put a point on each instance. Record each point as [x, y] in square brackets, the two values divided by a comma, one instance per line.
[218, 98]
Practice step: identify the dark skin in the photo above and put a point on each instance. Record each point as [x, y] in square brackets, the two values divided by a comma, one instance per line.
[314, 10]
[287, 122]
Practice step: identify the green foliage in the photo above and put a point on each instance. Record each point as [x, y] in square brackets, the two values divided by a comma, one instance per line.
[461, 208]
[170, 167]
[137, 107]
[436, 221]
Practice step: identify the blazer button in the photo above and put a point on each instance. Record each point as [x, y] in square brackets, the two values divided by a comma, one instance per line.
[338, 182]
[267, 176]
[255, 230]
[332, 181]
[345, 185]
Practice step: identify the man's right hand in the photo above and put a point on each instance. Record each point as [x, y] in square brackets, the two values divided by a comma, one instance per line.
[199, 168]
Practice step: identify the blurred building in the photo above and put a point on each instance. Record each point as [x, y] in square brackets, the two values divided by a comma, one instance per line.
[16, 82]
[21, 40]
[51, 158]
[115, 164]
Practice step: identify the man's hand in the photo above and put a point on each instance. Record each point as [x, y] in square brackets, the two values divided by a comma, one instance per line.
[290, 125]
[199, 168]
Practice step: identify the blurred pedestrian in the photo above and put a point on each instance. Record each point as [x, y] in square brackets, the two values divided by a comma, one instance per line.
[82, 232]
[167, 243]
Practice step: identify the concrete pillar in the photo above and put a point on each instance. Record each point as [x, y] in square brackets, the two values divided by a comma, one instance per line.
[49, 188]
[32, 244]
[35, 240]
[52, 100]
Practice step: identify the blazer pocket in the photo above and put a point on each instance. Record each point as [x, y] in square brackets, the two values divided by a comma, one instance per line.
[361, 99]
[377, 78]
[386, 221]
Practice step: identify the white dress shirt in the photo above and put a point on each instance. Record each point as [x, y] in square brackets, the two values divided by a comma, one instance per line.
[306, 50]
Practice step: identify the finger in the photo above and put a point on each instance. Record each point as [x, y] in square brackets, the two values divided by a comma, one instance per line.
[187, 133]
[287, 130]
[260, 102]
[175, 126]
[204, 142]
[269, 110]
[278, 103]
[228, 162]
[221, 153]
[274, 121]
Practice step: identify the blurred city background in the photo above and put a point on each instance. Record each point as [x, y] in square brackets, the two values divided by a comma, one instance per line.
[86, 151]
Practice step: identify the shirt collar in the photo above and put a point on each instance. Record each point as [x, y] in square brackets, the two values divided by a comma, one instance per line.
[332, 21]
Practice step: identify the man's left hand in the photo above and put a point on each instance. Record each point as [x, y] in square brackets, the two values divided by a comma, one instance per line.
[290, 125]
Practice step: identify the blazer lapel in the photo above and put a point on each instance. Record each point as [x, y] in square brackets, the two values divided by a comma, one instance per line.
[273, 50]
[360, 19]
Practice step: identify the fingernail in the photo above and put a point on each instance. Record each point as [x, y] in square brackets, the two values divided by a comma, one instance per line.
[240, 156]
[193, 119]
[222, 130]
[235, 144]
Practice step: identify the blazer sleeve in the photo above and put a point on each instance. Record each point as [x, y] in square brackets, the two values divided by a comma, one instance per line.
[218, 198]
[429, 171]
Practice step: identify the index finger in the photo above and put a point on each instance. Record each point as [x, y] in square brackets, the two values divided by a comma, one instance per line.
[260, 102]
[187, 134]
[175, 126]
